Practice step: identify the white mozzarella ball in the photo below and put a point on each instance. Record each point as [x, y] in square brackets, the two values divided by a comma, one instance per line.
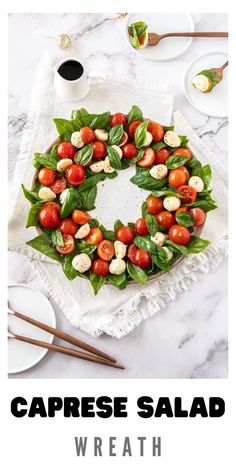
[63, 164]
[76, 140]
[171, 203]
[169, 253]
[83, 231]
[172, 139]
[81, 262]
[159, 171]
[63, 195]
[118, 150]
[120, 249]
[201, 83]
[46, 193]
[101, 134]
[97, 166]
[159, 238]
[148, 139]
[197, 183]
[117, 266]
[107, 167]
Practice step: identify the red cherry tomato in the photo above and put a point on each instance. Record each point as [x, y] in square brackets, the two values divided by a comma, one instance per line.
[161, 156]
[157, 131]
[199, 216]
[46, 176]
[48, 217]
[142, 259]
[99, 150]
[106, 250]
[166, 219]
[188, 192]
[117, 119]
[154, 205]
[80, 217]
[129, 151]
[183, 152]
[66, 150]
[179, 234]
[148, 158]
[141, 227]
[100, 268]
[125, 234]
[54, 205]
[75, 174]
[87, 135]
[69, 245]
[183, 168]
[176, 178]
[59, 185]
[132, 128]
[67, 226]
[132, 253]
[95, 236]
[181, 209]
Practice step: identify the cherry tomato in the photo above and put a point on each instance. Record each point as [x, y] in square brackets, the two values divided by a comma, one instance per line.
[66, 150]
[183, 168]
[166, 219]
[188, 192]
[80, 217]
[161, 156]
[129, 151]
[46, 176]
[75, 174]
[54, 205]
[99, 150]
[87, 135]
[157, 131]
[182, 152]
[179, 234]
[106, 250]
[95, 236]
[154, 205]
[69, 245]
[118, 118]
[59, 185]
[148, 158]
[67, 226]
[141, 227]
[48, 217]
[199, 216]
[180, 209]
[132, 128]
[142, 259]
[125, 234]
[100, 268]
[132, 253]
[176, 178]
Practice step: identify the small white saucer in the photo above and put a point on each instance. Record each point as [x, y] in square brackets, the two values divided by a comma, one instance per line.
[214, 103]
[30, 302]
[168, 48]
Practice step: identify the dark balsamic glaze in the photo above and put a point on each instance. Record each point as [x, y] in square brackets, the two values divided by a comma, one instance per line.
[71, 70]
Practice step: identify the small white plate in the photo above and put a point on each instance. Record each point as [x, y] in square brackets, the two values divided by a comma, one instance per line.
[168, 48]
[214, 103]
[30, 302]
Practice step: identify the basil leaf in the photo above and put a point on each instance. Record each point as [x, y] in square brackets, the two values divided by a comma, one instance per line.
[144, 242]
[205, 195]
[64, 126]
[68, 269]
[144, 180]
[43, 244]
[158, 146]
[46, 160]
[160, 259]
[57, 238]
[173, 162]
[139, 156]
[93, 223]
[118, 224]
[133, 37]
[184, 141]
[166, 193]
[144, 209]
[140, 134]
[108, 234]
[204, 204]
[131, 225]
[69, 203]
[169, 128]
[114, 158]
[140, 27]
[84, 156]
[136, 273]
[197, 245]
[101, 121]
[77, 117]
[31, 196]
[97, 282]
[87, 198]
[151, 224]
[86, 248]
[176, 247]
[195, 167]
[53, 152]
[90, 182]
[115, 134]
[206, 175]
[32, 219]
[135, 114]
[119, 281]
[184, 218]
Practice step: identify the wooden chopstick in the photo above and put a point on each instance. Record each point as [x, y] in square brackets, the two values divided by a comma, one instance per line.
[64, 336]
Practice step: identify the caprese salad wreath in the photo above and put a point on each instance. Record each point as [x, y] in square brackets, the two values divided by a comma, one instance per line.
[93, 147]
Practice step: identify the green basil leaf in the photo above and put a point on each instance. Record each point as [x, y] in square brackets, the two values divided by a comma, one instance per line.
[90, 182]
[140, 28]
[204, 204]
[115, 134]
[77, 118]
[118, 224]
[206, 175]
[32, 219]
[136, 273]
[84, 156]
[169, 128]
[184, 141]
[101, 121]
[46, 160]
[108, 234]
[140, 134]
[167, 193]
[86, 248]
[138, 157]
[57, 238]
[195, 167]
[97, 282]
[87, 198]
[144, 209]
[151, 224]
[158, 146]
[184, 218]
[31, 196]
[44, 245]
[144, 242]
[131, 225]
[173, 162]
[133, 37]
[70, 202]
[144, 180]
[119, 281]
[68, 269]
[160, 259]
[197, 245]
[93, 223]
[205, 195]
[178, 248]
[64, 126]
[54, 153]
[115, 160]
[135, 114]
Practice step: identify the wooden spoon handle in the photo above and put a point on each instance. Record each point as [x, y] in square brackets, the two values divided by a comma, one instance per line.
[198, 34]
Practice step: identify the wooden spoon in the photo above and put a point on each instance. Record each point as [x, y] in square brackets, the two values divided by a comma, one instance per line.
[154, 38]
[219, 71]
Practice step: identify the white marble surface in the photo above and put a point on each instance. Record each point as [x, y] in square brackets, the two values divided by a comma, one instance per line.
[188, 339]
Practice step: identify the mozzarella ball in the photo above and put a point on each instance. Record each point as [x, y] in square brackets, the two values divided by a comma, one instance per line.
[159, 238]
[83, 231]
[202, 83]
[148, 139]
[81, 262]
[107, 167]
[197, 183]
[46, 193]
[159, 172]
[117, 266]
[63, 195]
[120, 249]
[63, 164]
[168, 252]
[171, 203]
[172, 139]
[97, 166]
[118, 150]
[76, 140]
[101, 134]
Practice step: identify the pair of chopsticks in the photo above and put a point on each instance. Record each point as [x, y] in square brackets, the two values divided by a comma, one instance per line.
[97, 356]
